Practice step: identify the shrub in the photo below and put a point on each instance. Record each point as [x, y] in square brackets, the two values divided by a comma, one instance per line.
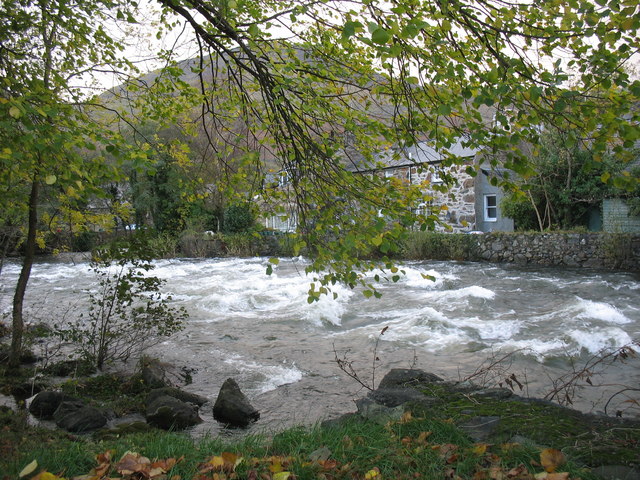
[238, 218]
[127, 313]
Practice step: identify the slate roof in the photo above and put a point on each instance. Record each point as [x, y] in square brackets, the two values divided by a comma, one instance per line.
[420, 153]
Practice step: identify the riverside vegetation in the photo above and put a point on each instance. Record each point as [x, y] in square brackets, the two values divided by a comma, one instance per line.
[531, 440]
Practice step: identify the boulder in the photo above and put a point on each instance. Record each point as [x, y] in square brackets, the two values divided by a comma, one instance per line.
[28, 389]
[177, 393]
[74, 416]
[378, 413]
[407, 377]
[232, 407]
[154, 372]
[44, 404]
[121, 429]
[392, 397]
[169, 413]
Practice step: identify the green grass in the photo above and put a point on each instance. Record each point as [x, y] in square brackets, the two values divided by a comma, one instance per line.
[425, 444]
[413, 447]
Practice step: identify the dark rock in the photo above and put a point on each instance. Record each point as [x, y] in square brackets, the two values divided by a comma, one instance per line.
[46, 403]
[376, 412]
[25, 390]
[232, 407]
[493, 393]
[74, 416]
[392, 397]
[122, 429]
[407, 377]
[480, 428]
[154, 373]
[170, 413]
[338, 422]
[177, 393]
[616, 472]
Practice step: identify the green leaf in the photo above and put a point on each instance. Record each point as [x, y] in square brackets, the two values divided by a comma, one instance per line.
[444, 110]
[380, 36]
[350, 28]
[254, 30]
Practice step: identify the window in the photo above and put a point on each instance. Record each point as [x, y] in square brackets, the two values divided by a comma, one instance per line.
[490, 208]
[436, 176]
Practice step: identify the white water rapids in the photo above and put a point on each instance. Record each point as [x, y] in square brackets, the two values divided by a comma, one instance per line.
[261, 331]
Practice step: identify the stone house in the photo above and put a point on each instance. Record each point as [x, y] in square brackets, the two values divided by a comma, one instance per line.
[473, 203]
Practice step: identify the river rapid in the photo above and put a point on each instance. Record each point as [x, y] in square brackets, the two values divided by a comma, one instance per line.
[282, 350]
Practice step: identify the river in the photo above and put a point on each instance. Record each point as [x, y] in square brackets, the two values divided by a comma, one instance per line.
[261, 331]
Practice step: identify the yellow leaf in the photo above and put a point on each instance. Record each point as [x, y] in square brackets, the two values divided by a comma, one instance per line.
[558, 476]
[551, 459]
[47, 476]
[480, 448]
[217, 462]
[373, 473]
[406, 417]
[281, 476]
[422, 438]
[29, 469]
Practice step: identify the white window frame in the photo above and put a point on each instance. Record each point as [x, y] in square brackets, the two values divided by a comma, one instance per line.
[436, 179]
[488, 208]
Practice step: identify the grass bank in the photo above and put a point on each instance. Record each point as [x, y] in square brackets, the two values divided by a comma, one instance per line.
[431, 442]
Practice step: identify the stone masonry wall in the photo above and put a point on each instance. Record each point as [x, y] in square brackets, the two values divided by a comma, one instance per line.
[459, 199]
[591, 250]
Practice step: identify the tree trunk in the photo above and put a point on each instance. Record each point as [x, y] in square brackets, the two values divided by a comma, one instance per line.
[21, 286]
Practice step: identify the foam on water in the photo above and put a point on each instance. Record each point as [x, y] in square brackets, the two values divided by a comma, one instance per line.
[490, 329]
[327, 309]
[474, 291]
[267, 377]
[595, 340]
[600, 311]
[536, 347]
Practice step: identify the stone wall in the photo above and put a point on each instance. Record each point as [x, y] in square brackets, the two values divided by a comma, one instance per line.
[459, 199]
[616, 218]
[590, 250]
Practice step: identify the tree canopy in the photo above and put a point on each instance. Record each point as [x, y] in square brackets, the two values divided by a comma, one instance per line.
[324, 85]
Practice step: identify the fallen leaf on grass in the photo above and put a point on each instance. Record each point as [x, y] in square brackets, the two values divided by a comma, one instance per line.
[131, 463]
[46, 476]
[480, 449]
[225, 462]
[447, 451]
[406, 417]
[29, 469]
[551, 459]
[373, 473]
[282, 476]
[552, 476]
[422, 438]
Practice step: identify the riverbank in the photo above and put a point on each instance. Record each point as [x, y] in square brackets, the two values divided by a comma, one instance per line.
[413, 426]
